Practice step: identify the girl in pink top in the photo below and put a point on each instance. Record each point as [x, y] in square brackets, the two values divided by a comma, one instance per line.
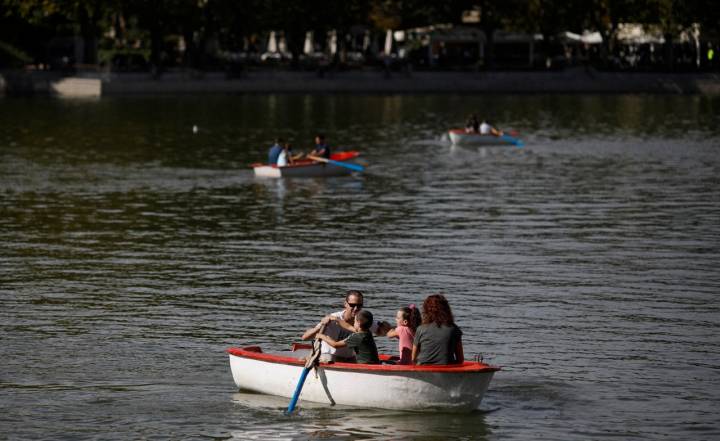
[408, 319]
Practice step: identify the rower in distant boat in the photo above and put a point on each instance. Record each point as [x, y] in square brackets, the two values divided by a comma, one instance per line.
[322, 149]
[275, 150]
[286, 156]
[472, 125]
[487, 129]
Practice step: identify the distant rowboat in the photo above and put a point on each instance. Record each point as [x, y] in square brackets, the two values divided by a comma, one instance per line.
[461, 137]
[457, 387]
[307, 168]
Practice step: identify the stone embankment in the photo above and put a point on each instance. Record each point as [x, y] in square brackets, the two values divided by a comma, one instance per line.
[577, 80]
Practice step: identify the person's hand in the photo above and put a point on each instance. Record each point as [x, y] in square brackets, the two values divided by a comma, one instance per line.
[383, 328]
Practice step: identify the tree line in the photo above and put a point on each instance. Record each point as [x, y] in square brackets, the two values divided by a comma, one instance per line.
[27, 26]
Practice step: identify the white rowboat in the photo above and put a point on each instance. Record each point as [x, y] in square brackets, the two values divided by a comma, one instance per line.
[307, 168]
[461, 137]
[457, 387]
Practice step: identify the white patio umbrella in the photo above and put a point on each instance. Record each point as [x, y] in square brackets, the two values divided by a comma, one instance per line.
[282, 44]
[388, 42]
[272, 42]
[333, 42]
[309, 46]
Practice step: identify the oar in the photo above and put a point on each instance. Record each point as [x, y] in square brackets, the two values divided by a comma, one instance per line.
[354, 167]
[511, 140]
[312, 361]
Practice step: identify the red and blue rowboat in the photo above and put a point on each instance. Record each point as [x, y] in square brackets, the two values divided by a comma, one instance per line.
[340, 164]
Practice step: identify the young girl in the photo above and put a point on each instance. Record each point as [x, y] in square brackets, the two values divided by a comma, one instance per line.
[408, 319]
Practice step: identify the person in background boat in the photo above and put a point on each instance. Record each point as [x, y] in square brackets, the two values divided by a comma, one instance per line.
[275, 151]
[340, 329]
[407, 319]
[438, 340]
[361, 341]
[286, 156]
[322, 149]
[487, 129]
[472, 125]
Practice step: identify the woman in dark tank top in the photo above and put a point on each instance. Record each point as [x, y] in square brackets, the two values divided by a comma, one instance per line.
[438, 340]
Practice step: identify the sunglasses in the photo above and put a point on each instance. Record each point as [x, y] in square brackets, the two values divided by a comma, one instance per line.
[355, 305]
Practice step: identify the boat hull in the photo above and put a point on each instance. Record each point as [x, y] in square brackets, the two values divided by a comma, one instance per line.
[460, 137]
[449, 388]
[308, 168]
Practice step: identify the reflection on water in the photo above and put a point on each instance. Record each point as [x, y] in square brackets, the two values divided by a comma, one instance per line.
[315, 420]
[134, 252]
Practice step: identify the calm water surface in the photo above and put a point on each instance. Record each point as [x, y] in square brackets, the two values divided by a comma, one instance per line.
[133, 253]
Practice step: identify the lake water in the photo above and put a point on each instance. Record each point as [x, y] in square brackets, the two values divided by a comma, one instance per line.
[134, 252]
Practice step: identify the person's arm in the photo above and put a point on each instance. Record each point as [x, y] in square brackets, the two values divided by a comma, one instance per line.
[343, 324]
[392, 333]
[383, 329]
[459, 354]
[312, 332]
[415, 353]
[334, 343]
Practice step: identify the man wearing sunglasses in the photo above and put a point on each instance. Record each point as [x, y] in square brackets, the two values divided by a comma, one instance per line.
[353, 304]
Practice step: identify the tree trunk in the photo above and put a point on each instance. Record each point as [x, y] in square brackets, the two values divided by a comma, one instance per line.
[669, 52]
[89, 32]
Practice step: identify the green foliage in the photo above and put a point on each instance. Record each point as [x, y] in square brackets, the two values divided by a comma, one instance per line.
[12, 56]
[144, 24]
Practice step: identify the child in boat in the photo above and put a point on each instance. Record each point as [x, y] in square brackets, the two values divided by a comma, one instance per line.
[361, 341]
[286, 156]
[472, 125]
[407, 319]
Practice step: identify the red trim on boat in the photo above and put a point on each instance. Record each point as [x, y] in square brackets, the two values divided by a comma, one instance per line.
[298, 346]
[255, 353]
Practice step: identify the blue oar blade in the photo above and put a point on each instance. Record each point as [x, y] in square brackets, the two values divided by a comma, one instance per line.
[298, 389]
[355, 167]
[511, 140]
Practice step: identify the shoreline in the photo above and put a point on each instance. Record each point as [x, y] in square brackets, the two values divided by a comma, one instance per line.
[569, 81]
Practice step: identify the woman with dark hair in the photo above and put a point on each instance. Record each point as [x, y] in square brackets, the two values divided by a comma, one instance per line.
[438, 340]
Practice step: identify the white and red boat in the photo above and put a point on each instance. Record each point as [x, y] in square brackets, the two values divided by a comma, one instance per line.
[462, 137]
[339, 164]
[457, 387]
